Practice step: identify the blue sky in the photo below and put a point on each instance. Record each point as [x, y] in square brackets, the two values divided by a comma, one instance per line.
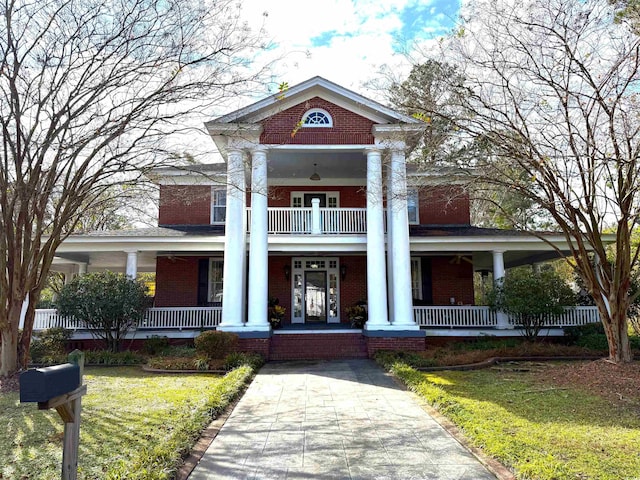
[348, 41]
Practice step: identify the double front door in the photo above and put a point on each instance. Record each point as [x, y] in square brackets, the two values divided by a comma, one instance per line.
[315, 290]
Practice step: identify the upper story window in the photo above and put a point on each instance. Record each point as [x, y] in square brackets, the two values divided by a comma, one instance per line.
[317, 117]
[218, 204]
[412, 206]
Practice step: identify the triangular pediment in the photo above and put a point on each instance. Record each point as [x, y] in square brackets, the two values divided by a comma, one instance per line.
[316, 87]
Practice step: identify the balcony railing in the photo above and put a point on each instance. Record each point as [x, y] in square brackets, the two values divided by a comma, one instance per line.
[155, 318]
[471, 316]
[317, 221]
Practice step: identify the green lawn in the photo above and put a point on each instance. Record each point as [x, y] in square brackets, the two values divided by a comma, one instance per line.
[540, 431]
[134, 424]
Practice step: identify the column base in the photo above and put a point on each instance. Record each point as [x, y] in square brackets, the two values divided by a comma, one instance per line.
[391, 327]
[247, 331]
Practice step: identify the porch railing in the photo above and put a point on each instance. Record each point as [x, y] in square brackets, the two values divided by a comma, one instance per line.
[285, 220]
[155, 318]
[472, 316]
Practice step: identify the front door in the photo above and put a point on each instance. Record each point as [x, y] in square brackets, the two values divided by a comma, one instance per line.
[310, 196]
[314, 290]
[315, 296]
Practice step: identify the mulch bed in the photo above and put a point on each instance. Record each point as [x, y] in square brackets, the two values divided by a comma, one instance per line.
[619, 384]
[10, 384]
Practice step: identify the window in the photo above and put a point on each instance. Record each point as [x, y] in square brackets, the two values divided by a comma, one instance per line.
[216, 282]
[218, 204]
[412, 206]
[316, 117]
[416, 278]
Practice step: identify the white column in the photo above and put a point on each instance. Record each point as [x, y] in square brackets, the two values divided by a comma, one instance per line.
[315, 216]
[82, 268]
[390, 244]
[401, 256]
[234, 245]
[258, 250]
[376, 268]
[498, 274]
[132, 264]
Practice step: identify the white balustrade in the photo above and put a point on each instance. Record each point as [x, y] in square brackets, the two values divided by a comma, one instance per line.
[286, 220]
[155, 318]
[473, 316]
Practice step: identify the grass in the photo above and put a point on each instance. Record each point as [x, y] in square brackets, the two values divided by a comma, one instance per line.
[135, 425]
[539, 431]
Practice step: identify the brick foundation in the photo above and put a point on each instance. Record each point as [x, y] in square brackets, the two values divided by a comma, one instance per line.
[317, 346]
[255, 345]
[415, 344]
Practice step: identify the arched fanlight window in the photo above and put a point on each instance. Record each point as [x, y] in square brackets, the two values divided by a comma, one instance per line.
[317, 117]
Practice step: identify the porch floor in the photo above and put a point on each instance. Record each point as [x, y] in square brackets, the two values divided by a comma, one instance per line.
[315, 326]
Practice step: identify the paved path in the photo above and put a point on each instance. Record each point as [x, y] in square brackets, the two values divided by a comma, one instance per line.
[333, 420]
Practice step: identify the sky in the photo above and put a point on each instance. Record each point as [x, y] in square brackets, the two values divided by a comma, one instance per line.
[347, 41]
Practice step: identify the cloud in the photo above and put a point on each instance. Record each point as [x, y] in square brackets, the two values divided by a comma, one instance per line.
[346, 41]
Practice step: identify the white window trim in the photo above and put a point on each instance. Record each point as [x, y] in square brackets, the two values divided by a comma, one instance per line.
[301, 194]
[416, 193]
[215, 189]
[210, 280]
[416, 262]
[315, 125]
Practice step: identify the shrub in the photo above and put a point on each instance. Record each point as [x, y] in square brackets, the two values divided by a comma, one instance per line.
[530, 297]
[239, 359]
[215, 344]
[388, 358]
[574, 334]
[49, 346]
[155, 345]
[108, 304]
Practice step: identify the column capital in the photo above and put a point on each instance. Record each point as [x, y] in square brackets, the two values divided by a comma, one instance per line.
[258, 149]
[373, 149]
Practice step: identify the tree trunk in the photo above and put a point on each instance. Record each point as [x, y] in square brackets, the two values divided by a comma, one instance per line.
[9, 345]
[27, 331]
[615, 327]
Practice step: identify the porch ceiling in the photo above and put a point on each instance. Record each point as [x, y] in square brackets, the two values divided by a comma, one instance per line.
[331, 164]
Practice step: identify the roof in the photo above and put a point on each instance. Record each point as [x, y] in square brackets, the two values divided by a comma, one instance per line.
[467, 231]
[161, 231]
[316, 86]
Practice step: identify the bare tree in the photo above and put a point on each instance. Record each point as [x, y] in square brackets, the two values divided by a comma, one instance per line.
[553, 102]
[92, 95]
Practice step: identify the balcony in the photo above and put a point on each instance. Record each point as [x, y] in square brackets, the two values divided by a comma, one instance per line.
[315, 221]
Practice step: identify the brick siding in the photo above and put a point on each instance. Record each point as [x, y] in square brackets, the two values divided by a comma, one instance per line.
[416, 344]
[451, 279]
[348, 127]
[185, 205]
[317, 346]
[176, 282]
[444, 206]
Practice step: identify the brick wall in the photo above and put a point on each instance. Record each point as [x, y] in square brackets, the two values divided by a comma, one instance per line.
[416, 344]
[176, 282]
[279, 286]
[350, 197]
[451, 279]
[444, 206]
[348, 127]
[185, 205]
[255, 345]
[354, 287]
[317, 346]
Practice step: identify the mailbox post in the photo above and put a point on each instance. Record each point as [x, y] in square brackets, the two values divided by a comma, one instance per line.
[60, 387]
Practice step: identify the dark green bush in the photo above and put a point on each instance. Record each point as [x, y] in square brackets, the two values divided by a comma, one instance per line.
[239, 359]
[215, 344]
[49, 346]
[155, 345]
[487, 344]
[574, 334]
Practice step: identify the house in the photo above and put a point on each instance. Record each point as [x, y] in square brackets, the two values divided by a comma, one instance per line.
[316, 206]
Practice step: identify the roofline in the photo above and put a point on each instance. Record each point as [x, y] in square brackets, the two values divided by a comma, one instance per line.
[316, 81]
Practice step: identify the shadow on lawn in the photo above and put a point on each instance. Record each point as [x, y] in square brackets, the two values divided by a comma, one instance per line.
[528, 396]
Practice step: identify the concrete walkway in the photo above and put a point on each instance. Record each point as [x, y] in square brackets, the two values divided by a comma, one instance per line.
[333, 420]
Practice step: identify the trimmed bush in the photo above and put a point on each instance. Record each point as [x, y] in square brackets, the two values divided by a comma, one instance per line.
[105, 357]
[155, 345]
[49, 346]
[216, 345]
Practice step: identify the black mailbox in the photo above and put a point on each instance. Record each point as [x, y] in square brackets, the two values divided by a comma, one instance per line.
[42, 384]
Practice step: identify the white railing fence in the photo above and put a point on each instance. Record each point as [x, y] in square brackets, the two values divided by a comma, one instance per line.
[471, 316]
[155, 318]
[286, 220]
